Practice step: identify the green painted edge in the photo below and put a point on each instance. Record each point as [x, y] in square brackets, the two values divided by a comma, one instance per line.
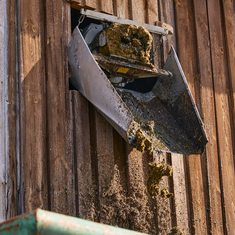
[56, 224]
[43, 222]
[23, 225]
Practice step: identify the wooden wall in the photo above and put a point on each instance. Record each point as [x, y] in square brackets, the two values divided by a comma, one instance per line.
[64, 156]
[3, 107]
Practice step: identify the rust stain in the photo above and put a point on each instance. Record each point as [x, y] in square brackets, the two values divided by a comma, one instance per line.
[16, 227]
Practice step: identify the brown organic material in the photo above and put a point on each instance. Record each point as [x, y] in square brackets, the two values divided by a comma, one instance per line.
[144, 132]
[176, 231]
[127, 40]
[127, 211]
[156, 171]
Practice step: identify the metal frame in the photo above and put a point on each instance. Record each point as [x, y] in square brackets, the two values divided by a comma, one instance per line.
[110, 18]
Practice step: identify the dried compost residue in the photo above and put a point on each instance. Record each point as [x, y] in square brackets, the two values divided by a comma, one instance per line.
[131, 211]
[156, 171]
[127, 40]
[176, 231]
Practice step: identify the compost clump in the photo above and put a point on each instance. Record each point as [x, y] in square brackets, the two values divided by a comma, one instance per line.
[156, 171]
[128, 40]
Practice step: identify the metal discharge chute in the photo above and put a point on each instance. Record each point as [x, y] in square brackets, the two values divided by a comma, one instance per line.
[151, 108]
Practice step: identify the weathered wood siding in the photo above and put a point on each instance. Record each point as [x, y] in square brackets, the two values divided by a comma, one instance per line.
[3, 111]
[65, 157]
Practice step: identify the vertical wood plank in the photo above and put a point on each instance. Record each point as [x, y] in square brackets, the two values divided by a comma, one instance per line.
[106, 6]
[152, 16]
[152, 12]
[121, 181]
[91, 4]
[137, 10]
[12, 76]
[108, 163]
[196, 195]
[32, 106]
[185, 30]
[61, 162]
[208, 115]
[112, 206]
[180, 193]
[167, 16]
[164, 221]
[86, 4]
[3, 115]
[121, 8]
[229, 21]
[220, 79]
[143, 212]
[85, 193]
[105, 160]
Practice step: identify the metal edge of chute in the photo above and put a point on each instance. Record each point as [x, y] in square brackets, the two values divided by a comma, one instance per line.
[97, 89]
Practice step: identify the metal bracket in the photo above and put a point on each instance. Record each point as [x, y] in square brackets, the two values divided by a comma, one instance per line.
[110, 18]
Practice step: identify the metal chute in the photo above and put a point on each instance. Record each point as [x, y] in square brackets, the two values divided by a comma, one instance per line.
[164, 118]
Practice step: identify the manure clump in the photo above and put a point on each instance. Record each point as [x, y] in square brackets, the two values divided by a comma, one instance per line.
[127, 40]
[156, 171]
[142, 143]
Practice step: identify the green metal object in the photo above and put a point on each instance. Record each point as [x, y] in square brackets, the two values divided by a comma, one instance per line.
[42, 222]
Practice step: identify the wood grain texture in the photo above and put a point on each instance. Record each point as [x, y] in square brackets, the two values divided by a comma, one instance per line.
[120, 172]
[12, 76]
[85, 193]
[106, 6]
[163, 215]
[167, 16]
[105, 162]
[143, 210]
[188, 58]
[152, 16]
[208, 115]
[228, 9]
[32, 106]
[121, 8]
[3, 114]
[86, 4]
[152, 12]
[61, 162]
[220, 79]
[196, 194]
[180, 193]
[137, 10]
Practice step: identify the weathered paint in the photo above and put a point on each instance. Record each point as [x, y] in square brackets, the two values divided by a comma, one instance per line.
[3, 68]
[44, 223]
[23, 225]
